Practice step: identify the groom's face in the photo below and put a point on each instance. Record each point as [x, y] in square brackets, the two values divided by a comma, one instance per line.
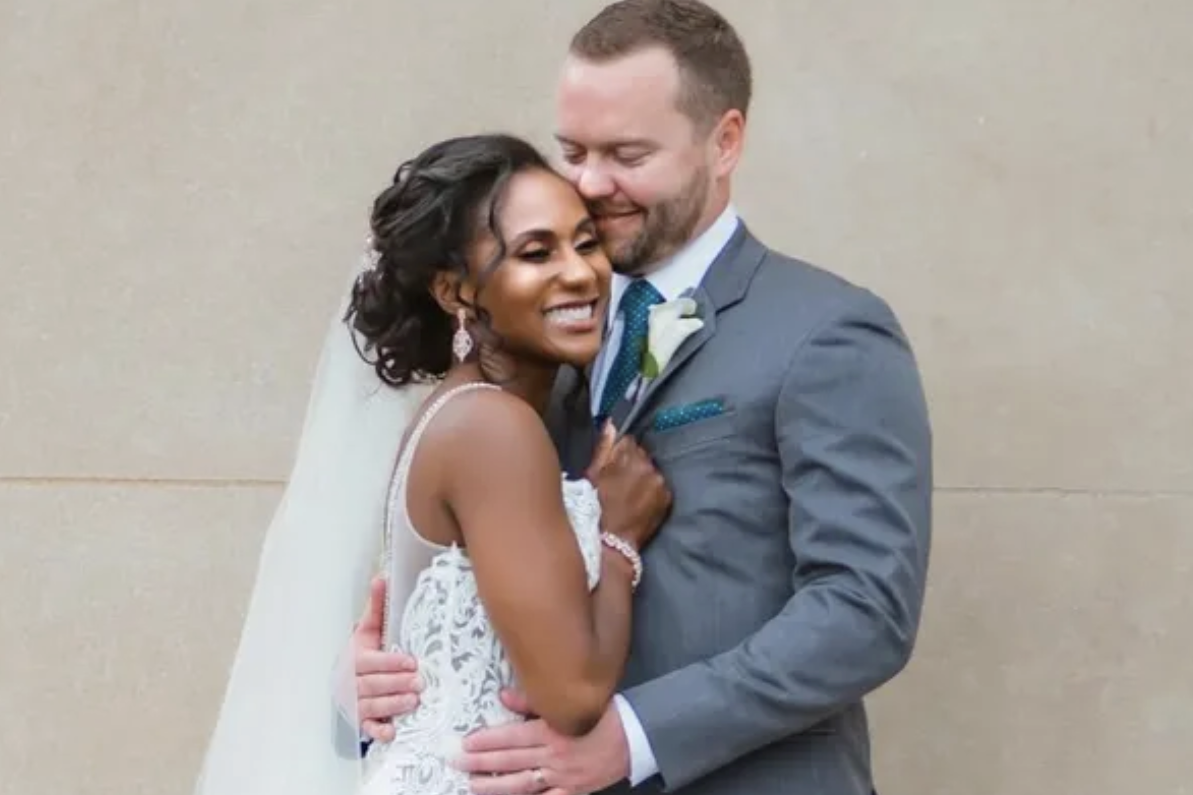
[636, 158]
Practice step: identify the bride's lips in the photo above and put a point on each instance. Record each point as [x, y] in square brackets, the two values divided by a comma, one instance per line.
[578, 317]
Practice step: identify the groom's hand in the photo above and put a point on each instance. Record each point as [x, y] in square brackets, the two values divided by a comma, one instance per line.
[387, 684]
[503, 759]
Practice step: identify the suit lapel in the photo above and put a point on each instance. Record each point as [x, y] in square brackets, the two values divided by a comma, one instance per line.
[686, 350]
[724, 285]
[569, 421]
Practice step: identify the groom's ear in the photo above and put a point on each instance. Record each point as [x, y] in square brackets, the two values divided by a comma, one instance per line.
[728, 140]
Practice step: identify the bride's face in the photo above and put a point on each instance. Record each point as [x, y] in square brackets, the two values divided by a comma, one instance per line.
[547, 297]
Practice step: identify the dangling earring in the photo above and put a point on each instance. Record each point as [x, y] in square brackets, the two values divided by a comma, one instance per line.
[461, 340]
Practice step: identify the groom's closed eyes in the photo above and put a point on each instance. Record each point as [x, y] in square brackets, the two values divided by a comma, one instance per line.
[628, 153]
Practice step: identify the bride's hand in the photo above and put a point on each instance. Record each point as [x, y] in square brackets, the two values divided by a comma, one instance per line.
[604, 448]
[634, 497]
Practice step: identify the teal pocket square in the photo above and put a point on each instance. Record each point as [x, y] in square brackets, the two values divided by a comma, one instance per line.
[675, 416]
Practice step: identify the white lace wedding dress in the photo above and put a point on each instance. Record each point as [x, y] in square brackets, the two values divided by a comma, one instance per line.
[444, 626]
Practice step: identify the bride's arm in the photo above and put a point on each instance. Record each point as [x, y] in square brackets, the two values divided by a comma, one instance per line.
[567, 644]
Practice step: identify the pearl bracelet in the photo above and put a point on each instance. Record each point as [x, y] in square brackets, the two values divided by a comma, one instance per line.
[623, 548]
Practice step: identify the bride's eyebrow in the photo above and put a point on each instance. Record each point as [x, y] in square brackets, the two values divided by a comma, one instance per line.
[533, 235]
[546, 235]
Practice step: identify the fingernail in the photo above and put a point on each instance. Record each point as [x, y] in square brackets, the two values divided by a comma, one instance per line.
[419, 685]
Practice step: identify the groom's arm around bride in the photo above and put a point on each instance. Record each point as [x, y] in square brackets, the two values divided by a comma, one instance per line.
[775, 704]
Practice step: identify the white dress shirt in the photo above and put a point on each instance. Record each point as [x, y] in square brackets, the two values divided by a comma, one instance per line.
[683, 271]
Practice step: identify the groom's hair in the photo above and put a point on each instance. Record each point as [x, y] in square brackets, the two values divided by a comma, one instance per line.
[713, 65]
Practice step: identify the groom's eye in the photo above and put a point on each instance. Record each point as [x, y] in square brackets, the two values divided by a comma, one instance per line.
[631, 157]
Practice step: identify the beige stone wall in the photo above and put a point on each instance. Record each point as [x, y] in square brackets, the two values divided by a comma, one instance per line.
[184, 186]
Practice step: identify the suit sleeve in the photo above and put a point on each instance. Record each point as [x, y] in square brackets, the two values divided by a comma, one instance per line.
[854, 445]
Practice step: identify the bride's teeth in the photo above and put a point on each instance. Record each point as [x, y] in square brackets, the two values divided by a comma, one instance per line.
[570, 314]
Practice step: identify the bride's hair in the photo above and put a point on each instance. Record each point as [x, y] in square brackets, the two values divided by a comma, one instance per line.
[422, 225]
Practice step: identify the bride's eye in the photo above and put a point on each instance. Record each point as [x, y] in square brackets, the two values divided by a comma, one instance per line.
[588, 246]
[535, 255]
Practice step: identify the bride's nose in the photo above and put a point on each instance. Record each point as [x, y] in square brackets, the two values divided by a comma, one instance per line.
[576, 269]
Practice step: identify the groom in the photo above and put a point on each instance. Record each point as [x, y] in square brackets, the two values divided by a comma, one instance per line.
[791, 426]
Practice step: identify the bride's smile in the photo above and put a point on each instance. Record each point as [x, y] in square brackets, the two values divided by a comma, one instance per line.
[544, 285]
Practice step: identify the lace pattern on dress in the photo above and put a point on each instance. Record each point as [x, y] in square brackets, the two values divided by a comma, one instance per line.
[461, 661]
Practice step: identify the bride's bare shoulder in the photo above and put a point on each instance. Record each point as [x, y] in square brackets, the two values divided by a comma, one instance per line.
[489, 424]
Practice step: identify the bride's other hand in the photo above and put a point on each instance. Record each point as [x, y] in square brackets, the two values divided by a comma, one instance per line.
[387, 683]
[634, 497]
[604, 448]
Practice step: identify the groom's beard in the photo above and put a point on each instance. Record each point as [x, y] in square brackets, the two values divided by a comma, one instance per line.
[666, 227]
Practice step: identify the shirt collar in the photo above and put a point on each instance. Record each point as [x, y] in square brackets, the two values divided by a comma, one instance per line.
[686, 268]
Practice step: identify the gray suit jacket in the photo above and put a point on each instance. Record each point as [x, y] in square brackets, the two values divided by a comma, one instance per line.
[788, 580]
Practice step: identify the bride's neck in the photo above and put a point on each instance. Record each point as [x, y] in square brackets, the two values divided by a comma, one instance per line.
[531, 382]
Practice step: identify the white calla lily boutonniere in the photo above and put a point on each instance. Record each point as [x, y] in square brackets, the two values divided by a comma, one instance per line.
[669, 324]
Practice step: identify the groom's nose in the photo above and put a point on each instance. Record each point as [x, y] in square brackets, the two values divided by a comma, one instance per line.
[594, 182]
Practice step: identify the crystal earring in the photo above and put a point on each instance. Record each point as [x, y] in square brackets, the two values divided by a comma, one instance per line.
[461, 340]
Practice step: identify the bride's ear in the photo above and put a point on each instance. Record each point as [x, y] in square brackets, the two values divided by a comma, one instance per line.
[451, 292]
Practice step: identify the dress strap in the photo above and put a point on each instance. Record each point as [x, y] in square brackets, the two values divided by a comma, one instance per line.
[395, 503]
[407, 454]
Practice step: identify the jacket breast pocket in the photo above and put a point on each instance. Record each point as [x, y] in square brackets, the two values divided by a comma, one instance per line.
[675, 442]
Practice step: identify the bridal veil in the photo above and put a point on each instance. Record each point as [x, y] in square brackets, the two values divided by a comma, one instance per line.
[287, 725]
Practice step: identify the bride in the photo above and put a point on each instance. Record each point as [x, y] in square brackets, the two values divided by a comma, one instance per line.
[484, 276]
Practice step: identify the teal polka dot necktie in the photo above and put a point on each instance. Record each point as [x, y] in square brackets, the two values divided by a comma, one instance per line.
[634, 309]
